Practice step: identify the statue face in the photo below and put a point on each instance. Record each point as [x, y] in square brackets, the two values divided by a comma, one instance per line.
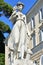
[20, 7]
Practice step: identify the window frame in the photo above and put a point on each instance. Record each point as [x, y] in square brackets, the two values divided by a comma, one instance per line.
[32, 23]
[33, 40]
[41, 14]
[41, 60]
[40, 35]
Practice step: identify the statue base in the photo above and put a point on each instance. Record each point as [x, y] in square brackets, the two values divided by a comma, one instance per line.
[23, 62]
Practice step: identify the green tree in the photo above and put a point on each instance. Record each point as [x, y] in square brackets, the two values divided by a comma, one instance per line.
[5, 8]
[1, 0]
[2, 59]
[4, 27]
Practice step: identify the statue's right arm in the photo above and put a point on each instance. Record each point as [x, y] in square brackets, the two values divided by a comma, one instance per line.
[13, 12]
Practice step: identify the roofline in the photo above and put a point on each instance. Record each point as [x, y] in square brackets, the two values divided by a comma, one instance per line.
[32, 7]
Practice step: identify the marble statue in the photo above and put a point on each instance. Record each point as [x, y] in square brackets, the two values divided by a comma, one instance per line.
[17, 39]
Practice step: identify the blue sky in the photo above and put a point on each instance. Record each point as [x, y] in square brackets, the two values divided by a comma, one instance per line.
[27, 5]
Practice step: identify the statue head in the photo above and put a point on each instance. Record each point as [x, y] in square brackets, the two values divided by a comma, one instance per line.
[20, 6]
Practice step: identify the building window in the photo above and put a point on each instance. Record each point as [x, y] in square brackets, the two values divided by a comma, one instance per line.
[32, 23]
[41, 60]
[33, 40]
[41, 14]
[41, 35]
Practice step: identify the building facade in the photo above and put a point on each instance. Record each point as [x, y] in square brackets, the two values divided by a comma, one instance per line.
[35, 26]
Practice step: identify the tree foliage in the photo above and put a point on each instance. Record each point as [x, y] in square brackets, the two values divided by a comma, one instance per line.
[1, 0]
[4, 27]
[6, 8]
[2, 59]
